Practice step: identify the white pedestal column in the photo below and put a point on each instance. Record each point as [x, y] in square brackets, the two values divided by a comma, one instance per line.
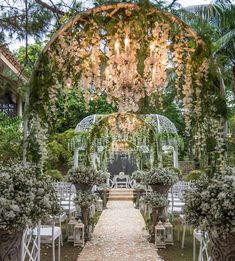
[75, 158]
[175, 158]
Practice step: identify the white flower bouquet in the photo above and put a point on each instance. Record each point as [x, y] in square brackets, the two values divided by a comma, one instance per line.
[163, 176]
[26, 196]
[86, 175]
[211, 204]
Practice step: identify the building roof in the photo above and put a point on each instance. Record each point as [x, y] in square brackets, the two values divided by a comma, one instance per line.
[8, 58]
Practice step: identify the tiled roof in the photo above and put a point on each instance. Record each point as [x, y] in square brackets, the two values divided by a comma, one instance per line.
[11, 58]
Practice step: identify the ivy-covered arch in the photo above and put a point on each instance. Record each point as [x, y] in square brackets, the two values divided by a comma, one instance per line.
[127, 52]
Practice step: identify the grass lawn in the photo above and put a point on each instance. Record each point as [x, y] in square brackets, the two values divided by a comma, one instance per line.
[175, 253]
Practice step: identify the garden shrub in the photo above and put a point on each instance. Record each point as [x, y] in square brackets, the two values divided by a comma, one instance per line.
[55, 174]
[193, 175]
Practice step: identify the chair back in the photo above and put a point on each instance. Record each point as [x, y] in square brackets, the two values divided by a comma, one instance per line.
[30, 246]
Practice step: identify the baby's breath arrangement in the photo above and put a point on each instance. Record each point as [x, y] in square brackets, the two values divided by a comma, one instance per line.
[86, 175]
[85, 199]
[138, 174]
[163, 176]
[211, 204]
[26, 196]
[155, 200]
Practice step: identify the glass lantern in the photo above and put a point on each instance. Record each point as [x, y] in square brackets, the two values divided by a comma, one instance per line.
[160, 235]
[92, 210]
[72, 223]
[169, 233]
[79, 234]
[99, 205]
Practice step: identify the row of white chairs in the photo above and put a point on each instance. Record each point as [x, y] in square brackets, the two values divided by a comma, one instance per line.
[52, 231]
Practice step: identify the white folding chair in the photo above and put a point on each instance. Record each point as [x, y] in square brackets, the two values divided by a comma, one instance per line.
[30, 246]
[203, 239]
[183, 224]
[66, 193]
[48, 235]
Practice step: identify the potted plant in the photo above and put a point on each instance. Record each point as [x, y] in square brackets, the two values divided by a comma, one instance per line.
[84, 178]
[211, 207]
[26, 196]
[160, 179]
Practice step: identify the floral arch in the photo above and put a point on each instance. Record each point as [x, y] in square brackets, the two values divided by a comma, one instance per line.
[127, 52]
[99, 136]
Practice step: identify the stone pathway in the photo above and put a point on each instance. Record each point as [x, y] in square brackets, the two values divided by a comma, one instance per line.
[119, 236]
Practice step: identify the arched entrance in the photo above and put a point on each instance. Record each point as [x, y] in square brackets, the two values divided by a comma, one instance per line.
[124, 142]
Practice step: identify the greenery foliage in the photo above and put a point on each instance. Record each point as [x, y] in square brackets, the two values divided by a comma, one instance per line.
[33, 53]
[59, 155]
[55, 174]
[10, 138]
[194, 175]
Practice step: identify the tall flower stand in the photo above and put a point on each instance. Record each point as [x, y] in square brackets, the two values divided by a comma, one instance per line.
[103, 195]
[85, 221]
[10, 246]
[158, 214]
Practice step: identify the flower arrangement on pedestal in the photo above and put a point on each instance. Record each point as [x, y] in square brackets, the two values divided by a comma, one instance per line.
[26, 196]
[85, 199]
[211, 207]
[139, 188]
[102, 190]
[160, 179]
[84, 178]
[158, 203]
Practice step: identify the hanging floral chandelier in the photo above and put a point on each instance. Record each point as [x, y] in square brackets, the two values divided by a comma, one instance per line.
[120, 146]
[121, 78]
[121, 74]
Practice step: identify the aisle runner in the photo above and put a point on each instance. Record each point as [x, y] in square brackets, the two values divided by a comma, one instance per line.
[119, 236]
